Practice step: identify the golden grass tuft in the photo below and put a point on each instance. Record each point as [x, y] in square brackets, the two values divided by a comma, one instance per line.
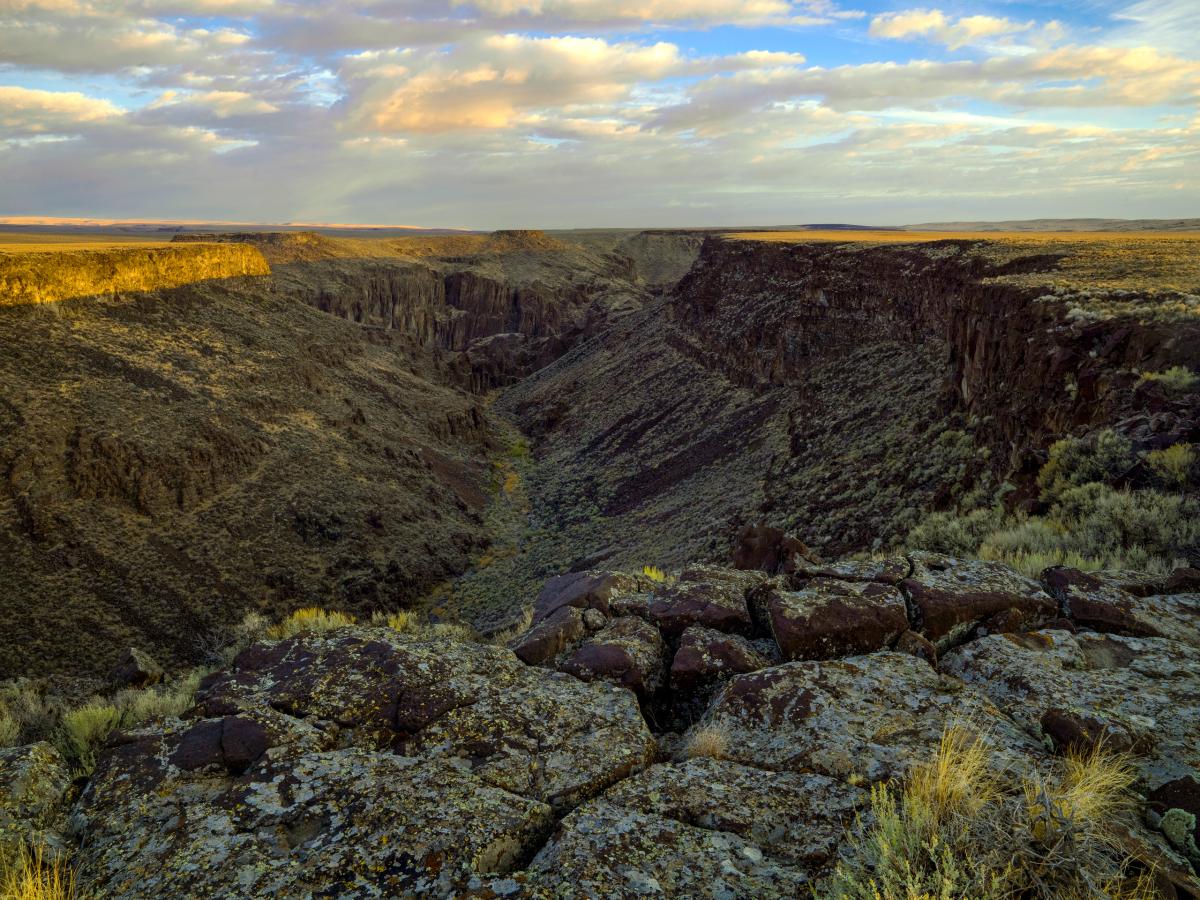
[35, 876]
[708, 740]
[312, 619]
[959, 826]
[655, 574]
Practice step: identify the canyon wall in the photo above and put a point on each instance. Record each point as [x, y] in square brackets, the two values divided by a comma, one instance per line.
[27, 278]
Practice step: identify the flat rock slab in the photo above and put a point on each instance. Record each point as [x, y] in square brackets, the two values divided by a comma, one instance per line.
[867, 716]
[1101, 602]
[350, 823]
[708, 596]
[829, 618]
[952, 597]
[892, 570]
[359, 762]
[797, 819]
[1145, 688]
[603, 850]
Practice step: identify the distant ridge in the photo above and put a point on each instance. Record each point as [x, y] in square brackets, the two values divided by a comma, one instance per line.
[1059, 225]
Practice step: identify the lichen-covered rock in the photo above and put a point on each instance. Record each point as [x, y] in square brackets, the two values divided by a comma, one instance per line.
[951, 597]
[708, 596]
[701, 828]
[1101, 602]
[1142, 688]
[706, 657]
[607, 851]
[797, 818]
[553, 635]
[867, 716]
[915, 644]
[348, 823]
[892, 570]
[830, 618]
[1176, 804]
[359, 762]
[34, 783]
[137, 670]
[583, 590]
[628, 652]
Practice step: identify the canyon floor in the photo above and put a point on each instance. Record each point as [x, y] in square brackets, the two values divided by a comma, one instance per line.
[628, 562]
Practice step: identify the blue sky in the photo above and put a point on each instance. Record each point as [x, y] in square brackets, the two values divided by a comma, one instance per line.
[556, 113]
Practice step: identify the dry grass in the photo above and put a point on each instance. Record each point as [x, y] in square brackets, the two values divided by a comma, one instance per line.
[959, 826]
[54, 242]
[655, 574]
[309, 619]
[34, 876]
[708, 740]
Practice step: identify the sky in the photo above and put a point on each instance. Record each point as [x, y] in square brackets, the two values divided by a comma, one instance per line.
[573, 113]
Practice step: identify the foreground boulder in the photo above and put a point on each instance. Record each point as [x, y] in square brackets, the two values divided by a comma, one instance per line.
[1139, 693]
[866, 717]
[628, 652]
[830, 618]
[953, 597]
[355, 763]
[1114, 602]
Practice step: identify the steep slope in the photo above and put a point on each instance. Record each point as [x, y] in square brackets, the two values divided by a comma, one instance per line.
[170, 461]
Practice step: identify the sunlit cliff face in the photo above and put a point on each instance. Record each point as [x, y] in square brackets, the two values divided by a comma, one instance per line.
[562, 112]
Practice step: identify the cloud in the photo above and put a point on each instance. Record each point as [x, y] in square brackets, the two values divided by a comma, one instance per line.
[934, 25]
[26, 112]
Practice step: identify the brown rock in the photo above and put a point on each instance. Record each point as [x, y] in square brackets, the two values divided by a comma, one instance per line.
[915, 644]
[1101, 601]
[557, 632]
[136, 670]
[1078, 733]
[585, 590]
[951, 597]
[705, 657]
[829, 618]
[628, 652]
[888, 571]
[707, 596]
[769, 550]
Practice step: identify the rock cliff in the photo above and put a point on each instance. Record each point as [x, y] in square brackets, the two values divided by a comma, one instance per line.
[51, 277]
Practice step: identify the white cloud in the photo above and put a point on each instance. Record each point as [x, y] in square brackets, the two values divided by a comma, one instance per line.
[935, 25]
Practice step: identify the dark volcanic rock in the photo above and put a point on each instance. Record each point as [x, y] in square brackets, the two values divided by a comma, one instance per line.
[1102, 601]
[34, 783]
[558, 631]
[831, 618]
[769, 550]
[706, 656]
[355, 763]
[628, 652]
[136, 670]
[1142, 688]
[705, 595]
[951, 597]
[585, 590]
[867, 716]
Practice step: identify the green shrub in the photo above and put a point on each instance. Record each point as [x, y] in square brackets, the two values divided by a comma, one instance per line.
[1174, 465]
[36, 715]
[10, 729]
[1100, 457]
[84, 730]
[1175, 380]
[954, 534]
[171, 700]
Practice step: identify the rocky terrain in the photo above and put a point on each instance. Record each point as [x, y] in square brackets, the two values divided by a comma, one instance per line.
[471, 565]
[712, 734]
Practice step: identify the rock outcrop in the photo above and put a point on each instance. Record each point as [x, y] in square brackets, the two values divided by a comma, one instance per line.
[632, 754]
[27, 278]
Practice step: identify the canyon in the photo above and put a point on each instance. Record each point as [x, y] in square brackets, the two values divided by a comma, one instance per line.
[534, 564]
